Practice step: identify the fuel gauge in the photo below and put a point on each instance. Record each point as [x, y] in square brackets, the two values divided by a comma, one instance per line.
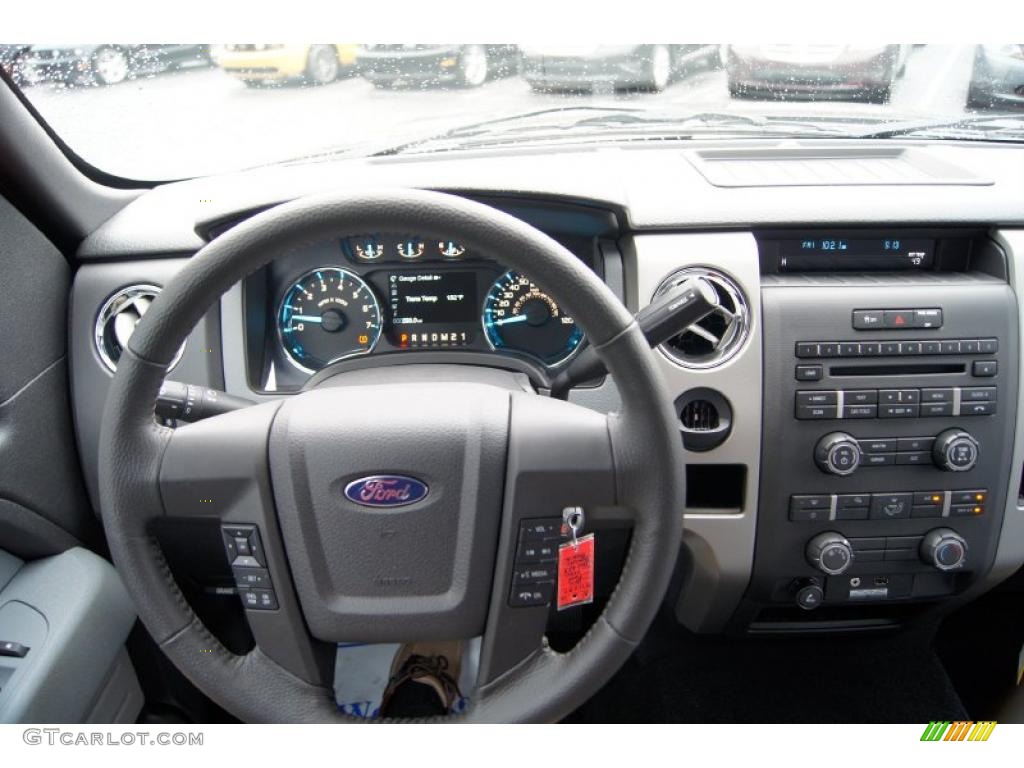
[451, 249]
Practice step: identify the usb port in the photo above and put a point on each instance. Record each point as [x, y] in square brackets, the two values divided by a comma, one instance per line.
[881, 581]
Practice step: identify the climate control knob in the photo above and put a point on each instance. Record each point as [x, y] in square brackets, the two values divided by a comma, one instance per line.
[837, 453]
[944, 548]
[955, 450]
[830, 552]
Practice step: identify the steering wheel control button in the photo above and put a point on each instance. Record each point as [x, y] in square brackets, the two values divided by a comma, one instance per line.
[837, 453]
[944, 549]
[252, 578]
[534, 568]
[955, 450]
[830, 553]
[248, 562]
[259, 600]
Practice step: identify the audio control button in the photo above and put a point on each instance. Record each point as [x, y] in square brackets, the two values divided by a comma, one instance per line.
[955, 451]
[977, 409]
[899, 411]
[837, 453]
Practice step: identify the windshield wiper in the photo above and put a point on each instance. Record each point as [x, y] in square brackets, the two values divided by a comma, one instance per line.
[984, 125]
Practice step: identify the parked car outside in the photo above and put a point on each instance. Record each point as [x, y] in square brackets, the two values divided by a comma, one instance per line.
[257, 64]
[648, 67]
[470, 66]
[997, 78]
[855, 72]
[108, 64]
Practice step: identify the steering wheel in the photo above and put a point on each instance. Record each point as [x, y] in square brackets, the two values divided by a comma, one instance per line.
[491, 456]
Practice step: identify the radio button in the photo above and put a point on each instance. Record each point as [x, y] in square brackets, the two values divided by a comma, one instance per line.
[816, 412]
[870, 348]
[988, 346]
[849, 349]
[985, 368]
[970, 346]
[807, 349]
[879, 460]
[816, 397]
[878, 444]
[931, 348]
[913, 457]
[828, 349]
[889, 348]
[860, 397]
[977, 409]
[860, 411]
[950, 347]
[977, 394]
[937, 409]
[809, 372]
[905, 396]
[937, 395]
[910, 348]
[914, 443]
[898, 411]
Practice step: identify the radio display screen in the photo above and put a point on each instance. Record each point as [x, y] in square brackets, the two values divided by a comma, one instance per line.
[830, 254]
[433, 309]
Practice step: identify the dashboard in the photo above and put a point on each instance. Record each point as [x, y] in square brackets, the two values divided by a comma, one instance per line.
[850, 413]
[380, 294]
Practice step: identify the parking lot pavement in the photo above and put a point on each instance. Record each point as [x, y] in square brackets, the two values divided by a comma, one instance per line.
[200, 121]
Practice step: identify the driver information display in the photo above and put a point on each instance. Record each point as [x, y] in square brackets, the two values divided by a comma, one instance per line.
[433, 308]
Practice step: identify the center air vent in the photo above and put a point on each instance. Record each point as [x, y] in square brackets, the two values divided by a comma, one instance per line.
[718, 336]
[117, 319]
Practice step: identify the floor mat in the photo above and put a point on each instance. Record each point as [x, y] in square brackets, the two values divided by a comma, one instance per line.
[678, 677]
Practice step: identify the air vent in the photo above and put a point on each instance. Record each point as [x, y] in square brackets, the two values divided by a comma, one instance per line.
[117, 319]
[699, 416]
[718, 336]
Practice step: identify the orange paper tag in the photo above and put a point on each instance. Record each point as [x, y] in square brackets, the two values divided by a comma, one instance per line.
[576, 573]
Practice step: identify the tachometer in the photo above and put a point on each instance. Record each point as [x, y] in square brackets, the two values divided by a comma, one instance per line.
[326, 315]
[519, 316]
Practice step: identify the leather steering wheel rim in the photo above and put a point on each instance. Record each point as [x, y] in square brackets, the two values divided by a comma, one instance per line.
[647, 453]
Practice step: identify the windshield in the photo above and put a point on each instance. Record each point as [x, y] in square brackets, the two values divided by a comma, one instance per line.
[157, 112]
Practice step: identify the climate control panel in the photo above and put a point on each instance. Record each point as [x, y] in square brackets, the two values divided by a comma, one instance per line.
[887, 447]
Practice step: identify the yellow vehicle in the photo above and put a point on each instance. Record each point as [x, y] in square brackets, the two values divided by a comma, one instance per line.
[258, 63]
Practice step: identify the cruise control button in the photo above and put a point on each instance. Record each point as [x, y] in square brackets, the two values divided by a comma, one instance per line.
[890, 506]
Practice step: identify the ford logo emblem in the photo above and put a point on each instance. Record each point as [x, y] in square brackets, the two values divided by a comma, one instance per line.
[386, 491]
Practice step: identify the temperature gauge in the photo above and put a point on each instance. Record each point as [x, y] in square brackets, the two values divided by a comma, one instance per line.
[367, 249]
[411, 248]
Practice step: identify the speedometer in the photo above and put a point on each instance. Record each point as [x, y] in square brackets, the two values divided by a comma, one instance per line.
[521, 317]
[326, 315]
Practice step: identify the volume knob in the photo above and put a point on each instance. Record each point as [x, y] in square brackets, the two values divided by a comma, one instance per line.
[955, 450]
[837, 453]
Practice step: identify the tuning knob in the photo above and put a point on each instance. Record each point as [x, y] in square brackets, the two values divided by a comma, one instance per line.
[837, 453]
[955, 451]
[830, 552]
[944, 548]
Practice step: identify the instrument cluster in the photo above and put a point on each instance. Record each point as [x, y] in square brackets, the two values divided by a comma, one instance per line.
[385, 293]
